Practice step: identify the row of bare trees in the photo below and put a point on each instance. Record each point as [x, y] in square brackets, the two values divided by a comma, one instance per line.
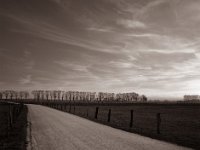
[131, 97]
[48, 95]
[72, 95]
[62, 95]
[11, 94]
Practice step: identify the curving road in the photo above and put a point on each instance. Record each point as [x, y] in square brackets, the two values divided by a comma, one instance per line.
[51, 129]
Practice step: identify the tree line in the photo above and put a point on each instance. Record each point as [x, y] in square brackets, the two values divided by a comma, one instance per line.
[11, 94]
[71, 95]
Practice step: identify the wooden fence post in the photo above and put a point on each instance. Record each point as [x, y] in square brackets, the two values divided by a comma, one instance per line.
[131, 120]
[109, 114]
[69, 107]
[65, 107]
[87, 113]
[17, 112]
[10, 116]
[21, 107]
[158, 122]
[14, 113]
[74, 109]
[96, 112]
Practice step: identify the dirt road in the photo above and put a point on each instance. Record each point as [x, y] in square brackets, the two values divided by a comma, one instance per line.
[51, 129]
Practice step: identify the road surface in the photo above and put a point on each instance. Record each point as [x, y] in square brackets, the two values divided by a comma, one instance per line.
[51, 129]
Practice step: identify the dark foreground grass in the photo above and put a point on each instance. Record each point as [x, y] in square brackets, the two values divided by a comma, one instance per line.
[180, 124]
[12, 138]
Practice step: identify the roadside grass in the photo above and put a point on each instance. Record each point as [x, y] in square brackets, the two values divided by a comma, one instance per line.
[12, 138]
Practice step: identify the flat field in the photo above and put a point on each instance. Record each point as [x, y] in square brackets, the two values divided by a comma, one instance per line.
[180, 124]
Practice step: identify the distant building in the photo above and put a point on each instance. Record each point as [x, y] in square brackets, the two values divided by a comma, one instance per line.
[191, 97]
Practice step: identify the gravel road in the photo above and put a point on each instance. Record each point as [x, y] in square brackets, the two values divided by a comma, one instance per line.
[51, 129]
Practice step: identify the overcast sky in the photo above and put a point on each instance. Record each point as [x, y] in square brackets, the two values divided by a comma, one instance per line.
[146, 46]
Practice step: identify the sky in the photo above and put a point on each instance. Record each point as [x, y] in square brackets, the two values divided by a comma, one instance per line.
[146, 46]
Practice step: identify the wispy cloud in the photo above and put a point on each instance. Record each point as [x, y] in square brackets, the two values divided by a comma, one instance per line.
[149, 35]
[100, 29]
[46, 31]
[131, 23]
[25, 80]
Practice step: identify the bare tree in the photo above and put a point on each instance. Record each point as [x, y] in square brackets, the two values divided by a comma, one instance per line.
[6, 94]
[62, 95]
[67, 95]
[55, 95]
[26, 94]
[11, 93]
[15, 95]
[52, 94]
[59, 94]
[21, 94]
[41, 93]
[47, 93]
[36, 94]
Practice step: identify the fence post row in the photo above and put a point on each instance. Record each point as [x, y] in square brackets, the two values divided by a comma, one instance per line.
[16, 111]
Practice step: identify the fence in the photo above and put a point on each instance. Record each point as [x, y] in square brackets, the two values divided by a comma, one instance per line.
[106, 117]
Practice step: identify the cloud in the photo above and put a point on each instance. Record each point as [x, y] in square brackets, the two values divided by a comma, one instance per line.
[26, 80]
[149, 6]
[27, 53]
[131, 24]
[76, 67]
[100, 29]
[144, 35]
[120, 64]
[149, 46]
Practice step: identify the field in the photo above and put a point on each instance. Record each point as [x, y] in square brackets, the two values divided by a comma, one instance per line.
[12, 133]
[180, 123]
